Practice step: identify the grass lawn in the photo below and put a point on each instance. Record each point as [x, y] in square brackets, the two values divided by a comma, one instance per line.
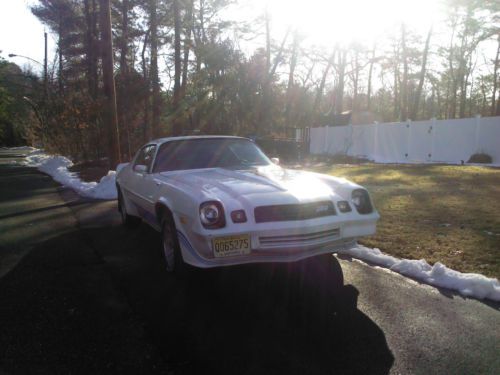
[444, 213]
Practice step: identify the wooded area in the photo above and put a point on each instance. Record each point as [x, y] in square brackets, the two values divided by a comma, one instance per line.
[179, 68]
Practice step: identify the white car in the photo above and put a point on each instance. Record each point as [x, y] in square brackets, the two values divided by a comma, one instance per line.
[219, 201]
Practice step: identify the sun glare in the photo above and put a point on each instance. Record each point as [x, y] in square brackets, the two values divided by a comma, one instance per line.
[327, 22]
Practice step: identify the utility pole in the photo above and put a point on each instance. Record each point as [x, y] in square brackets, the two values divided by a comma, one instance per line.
[111, 116]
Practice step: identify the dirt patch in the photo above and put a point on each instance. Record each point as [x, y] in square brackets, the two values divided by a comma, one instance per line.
[91, 170]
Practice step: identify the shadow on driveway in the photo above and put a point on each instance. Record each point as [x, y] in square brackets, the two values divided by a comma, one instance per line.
[99, 301]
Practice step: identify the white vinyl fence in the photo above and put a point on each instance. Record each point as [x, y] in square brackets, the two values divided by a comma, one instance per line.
[448, 141]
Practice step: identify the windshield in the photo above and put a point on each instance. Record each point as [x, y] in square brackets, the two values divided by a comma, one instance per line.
[233, 153]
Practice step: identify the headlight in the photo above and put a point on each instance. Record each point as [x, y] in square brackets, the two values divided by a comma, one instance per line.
[212, 215]
[361, 201]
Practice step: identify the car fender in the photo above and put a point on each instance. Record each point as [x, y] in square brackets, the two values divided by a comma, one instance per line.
[164, 203]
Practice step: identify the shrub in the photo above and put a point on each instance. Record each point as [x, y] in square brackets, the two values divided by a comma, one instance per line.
[480, 158]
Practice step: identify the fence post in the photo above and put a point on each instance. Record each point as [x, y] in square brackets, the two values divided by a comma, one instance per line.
[349, 139]
[433, 137]
[478, 132]
[408, 140]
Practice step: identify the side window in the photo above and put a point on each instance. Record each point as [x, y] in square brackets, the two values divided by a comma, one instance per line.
[145, 156]
[139, 159]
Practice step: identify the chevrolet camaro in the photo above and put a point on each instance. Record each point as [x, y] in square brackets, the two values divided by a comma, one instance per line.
[220, 201]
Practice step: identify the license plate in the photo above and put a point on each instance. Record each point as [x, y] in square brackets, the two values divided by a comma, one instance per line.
[231, 246]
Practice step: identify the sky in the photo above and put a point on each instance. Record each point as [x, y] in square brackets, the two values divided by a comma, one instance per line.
[321, 22]
[326, 22]
[22, 34]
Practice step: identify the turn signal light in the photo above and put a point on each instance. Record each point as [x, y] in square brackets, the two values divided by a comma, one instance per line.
[344, 206]
[238, 216]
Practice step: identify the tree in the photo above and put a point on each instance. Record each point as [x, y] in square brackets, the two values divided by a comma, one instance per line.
[16, 111]
[418, 93]
[180, 68]
[111, 115]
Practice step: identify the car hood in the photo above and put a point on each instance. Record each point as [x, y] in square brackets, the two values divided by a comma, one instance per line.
[259, 186]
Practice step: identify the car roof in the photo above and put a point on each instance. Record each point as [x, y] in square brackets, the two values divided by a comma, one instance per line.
[185, 138]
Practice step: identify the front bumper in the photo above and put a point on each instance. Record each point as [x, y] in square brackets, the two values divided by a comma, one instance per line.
[278, 242]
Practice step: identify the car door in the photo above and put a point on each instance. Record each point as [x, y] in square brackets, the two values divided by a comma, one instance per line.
[142, 186]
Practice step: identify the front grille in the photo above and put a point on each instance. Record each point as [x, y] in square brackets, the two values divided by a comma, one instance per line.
[291, 212]
[294, 240]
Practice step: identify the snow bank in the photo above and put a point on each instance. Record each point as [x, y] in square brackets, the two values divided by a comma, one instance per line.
[19, 148]
[57, 168]
[467, 284]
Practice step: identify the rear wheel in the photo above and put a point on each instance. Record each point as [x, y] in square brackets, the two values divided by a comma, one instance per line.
[127, 220]
[170, 246]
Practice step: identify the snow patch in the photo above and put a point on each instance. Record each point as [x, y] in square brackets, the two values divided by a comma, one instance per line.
[467, 284]
[57, 167]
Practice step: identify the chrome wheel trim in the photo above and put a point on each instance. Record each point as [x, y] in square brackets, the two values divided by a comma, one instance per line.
[168, 247]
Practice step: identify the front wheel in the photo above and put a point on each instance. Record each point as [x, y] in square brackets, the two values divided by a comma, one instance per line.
[170, 246]
[319, 281]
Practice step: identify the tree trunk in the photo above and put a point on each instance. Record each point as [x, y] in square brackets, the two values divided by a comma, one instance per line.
[187, 45]
[155, 80]
[463, 97]
[109, 84]
[124, 38]
[495, 109]
[339, 99]
[404, 86]
[95, 56]
[289, 91]
[146, 128]
[60, 53]
[462, 65]
[319, 93]
[89, 46]
[396, 89]
[122, 111]
[91, 60]
[370, 74]
[355, 81]
[177, 125]
[268, 42]
[418, 94]
[202, 21]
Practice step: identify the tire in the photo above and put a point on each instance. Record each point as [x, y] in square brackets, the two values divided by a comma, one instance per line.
[170, 247]
[127, 220]
[322, 273]
[320, 282]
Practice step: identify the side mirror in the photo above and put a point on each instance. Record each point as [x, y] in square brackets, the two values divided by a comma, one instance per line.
[140, 168]
[276, 161]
